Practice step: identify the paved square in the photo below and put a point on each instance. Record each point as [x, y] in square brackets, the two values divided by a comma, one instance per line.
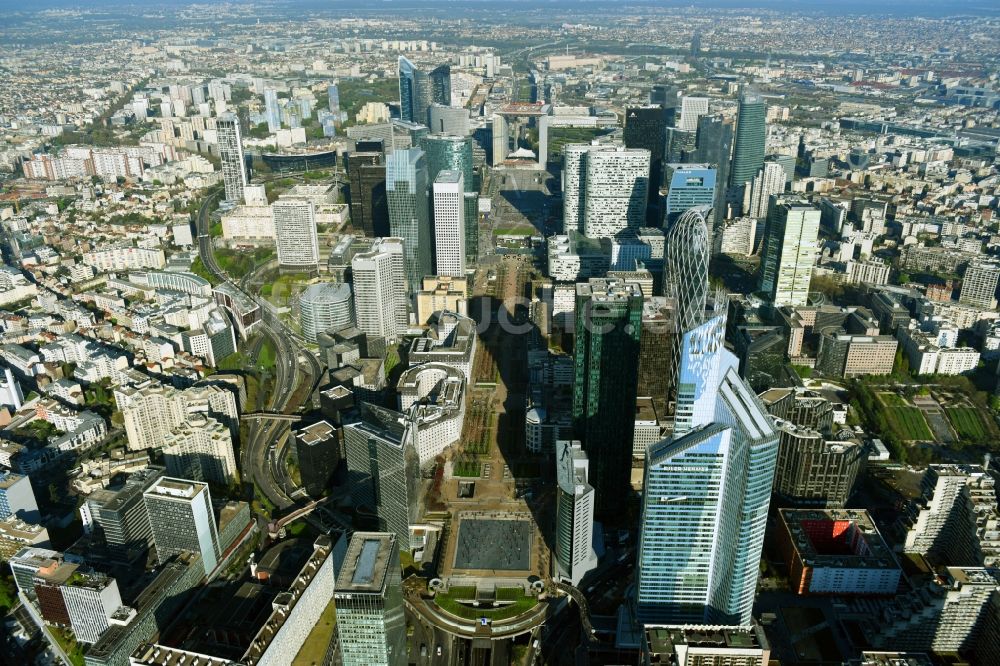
[499, 544]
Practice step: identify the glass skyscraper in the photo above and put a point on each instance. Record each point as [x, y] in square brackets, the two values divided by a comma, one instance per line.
[706, 492]
[447, 152]
[606, 371]
[411, 81]
[418, 90]
[333, 100]
[384, 469]
[366, 179]
[690, 185]
[715, 146]
[751, 139]
[646, 127]
[272, 111]
[686, 278]
[789, 252]
[371, 626]
[440, 87]
[406, 185]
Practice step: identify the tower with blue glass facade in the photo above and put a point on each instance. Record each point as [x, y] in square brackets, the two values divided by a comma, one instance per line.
[406, 190]
[751, 140]
[706, 491]
[689, 186]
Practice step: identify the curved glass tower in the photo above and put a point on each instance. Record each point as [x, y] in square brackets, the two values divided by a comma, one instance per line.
[706, 492]
[751, 137]
[687, 265]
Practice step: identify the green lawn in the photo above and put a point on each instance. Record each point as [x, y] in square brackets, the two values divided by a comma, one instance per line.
[966, 422]
[909, 423]
[449, 603]
[199, 269]
[318, 641]
[906, 422]
[238, 263]
[391, 359]
[69, 645]
[518, 230]
[892, 400]
[468, 468]
[267, 355]
[234, 361]
[297, 529]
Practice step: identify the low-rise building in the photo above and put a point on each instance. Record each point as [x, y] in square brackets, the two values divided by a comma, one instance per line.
[16, 534]
[705, 645]
[845, 355]
[439, 293]
[836, 551]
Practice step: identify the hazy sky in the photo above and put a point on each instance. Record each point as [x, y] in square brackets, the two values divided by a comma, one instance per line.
[898, 7]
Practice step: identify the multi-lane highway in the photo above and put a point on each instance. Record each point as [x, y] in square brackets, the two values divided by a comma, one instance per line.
[263, 453]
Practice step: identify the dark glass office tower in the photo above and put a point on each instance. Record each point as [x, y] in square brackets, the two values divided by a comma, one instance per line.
[666, 96]
[440, 87]
[414, 92]
[317, 448]
[751, 137]
[366, 187]
[696, 44]
[646, 127]
[406, 187]
[715, 146]
[418, 90]
[606, 371]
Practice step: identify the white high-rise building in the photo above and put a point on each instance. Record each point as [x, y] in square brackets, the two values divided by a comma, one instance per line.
[295, 233]
[200, 449]
[180, 513]
[616, 191]
[501, 139]
[955, 519]
[979, 285]
[575, 554]
[692, 108]
[234, 167]
[90, 599]
[768, 181]
[574, 183]
[380, 294]
[706, 492]
[789, 251]
[449, 223]
[151, 412]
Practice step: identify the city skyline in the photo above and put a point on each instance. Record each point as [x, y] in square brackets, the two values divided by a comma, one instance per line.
[478, 332]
